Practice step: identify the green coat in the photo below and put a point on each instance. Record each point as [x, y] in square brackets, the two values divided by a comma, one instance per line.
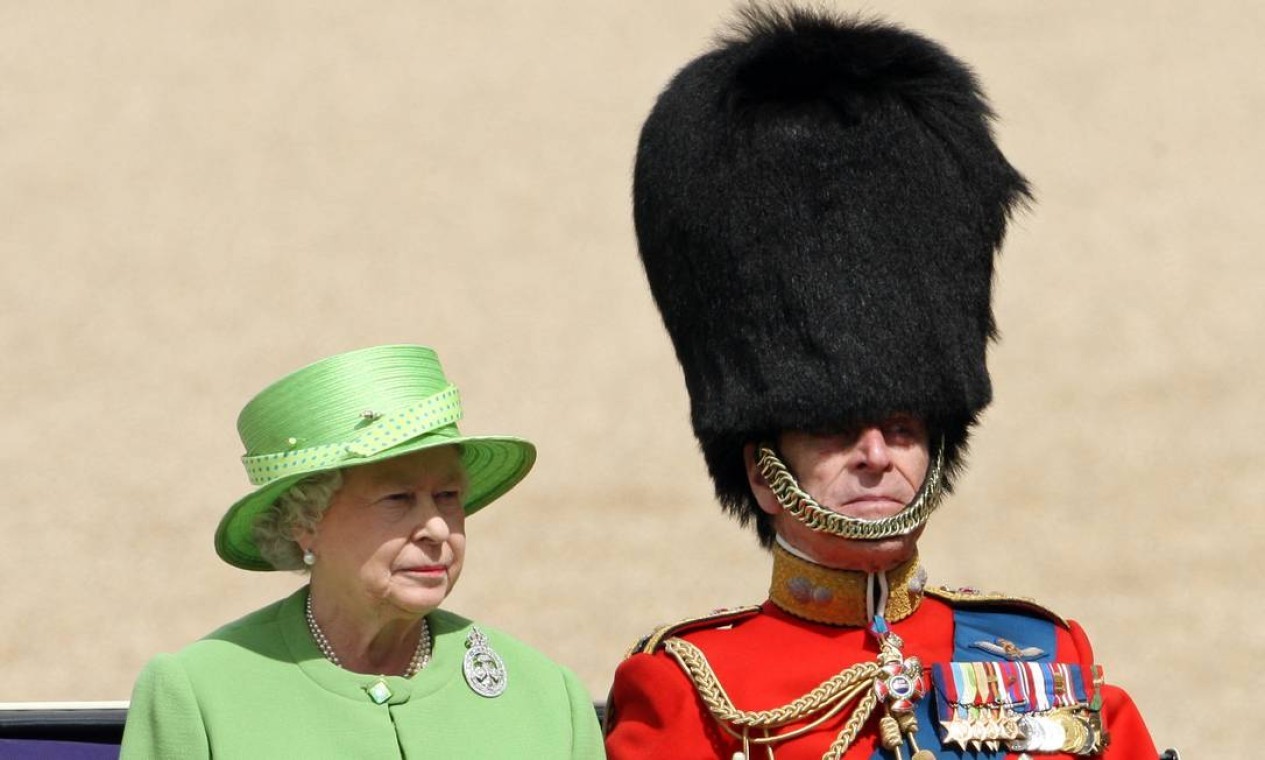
[259, 688]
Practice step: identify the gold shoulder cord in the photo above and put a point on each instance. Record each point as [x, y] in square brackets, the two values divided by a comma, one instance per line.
[818, 705]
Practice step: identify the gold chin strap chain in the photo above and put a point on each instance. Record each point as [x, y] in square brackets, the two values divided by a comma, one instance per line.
[805, 508]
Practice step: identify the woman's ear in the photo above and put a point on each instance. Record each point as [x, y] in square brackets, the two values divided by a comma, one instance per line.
[304, 537]
[755, 481]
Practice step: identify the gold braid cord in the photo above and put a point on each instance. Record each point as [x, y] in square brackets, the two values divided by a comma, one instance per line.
[806, 509]
[817, 706]
[852, 727]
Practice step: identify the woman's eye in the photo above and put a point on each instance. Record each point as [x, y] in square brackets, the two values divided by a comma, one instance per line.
[399, 498]
[449, 498]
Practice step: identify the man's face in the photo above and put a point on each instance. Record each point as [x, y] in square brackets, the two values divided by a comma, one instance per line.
[871, 471]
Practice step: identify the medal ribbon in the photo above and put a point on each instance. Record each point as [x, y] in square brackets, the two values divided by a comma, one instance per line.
[1019, 685]
[1077, 681]
[1073, 692]
[964, 675]
[984, 683]
[1063, 683]
[1040, 685]
[1029, 688]
[1095, 696]
[946, 680]
[1006, 681]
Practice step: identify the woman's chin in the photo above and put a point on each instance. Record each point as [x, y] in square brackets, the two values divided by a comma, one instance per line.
[420, 600]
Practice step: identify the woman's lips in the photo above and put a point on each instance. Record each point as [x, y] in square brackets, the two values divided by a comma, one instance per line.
[427, 569]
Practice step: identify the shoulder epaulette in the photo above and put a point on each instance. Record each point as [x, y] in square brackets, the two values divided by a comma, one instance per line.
[716, 619]
[965, 596]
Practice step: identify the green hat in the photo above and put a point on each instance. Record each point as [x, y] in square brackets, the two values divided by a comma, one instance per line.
[352, 409]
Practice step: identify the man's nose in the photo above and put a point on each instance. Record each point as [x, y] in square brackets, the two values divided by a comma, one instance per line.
[871, 451]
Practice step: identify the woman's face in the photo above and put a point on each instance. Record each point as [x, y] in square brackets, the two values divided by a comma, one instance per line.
[392, 541]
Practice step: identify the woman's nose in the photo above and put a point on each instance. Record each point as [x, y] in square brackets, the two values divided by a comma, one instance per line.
[431, 525]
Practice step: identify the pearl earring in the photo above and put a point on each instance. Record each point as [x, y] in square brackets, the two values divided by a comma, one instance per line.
[309, 558]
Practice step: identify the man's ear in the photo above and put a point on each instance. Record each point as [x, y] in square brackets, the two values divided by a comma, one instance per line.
[755, 481]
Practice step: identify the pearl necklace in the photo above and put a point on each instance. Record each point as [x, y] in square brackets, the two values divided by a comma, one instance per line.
[421, 656]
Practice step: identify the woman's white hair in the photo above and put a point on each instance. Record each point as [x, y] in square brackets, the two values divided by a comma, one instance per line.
[298, 509]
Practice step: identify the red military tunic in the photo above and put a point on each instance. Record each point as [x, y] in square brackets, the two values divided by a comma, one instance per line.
[768, 657]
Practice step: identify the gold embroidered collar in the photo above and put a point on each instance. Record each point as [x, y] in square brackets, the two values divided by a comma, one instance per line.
[837, 597]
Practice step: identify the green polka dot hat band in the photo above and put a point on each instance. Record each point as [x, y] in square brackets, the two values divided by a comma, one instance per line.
[352, 409]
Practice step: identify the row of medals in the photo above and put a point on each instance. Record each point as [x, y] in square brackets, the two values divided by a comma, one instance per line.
[1074, 730]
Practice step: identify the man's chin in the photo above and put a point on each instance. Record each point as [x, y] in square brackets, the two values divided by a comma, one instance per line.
[868, 555]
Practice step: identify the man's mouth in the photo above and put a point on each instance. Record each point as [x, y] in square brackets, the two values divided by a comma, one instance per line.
[870, 506]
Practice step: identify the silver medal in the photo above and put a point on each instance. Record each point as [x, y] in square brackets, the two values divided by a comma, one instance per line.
[483, 667]
[1030, 734]
[1053, 736]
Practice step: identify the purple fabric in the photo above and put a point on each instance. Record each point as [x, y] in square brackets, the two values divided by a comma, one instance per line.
[36, 749]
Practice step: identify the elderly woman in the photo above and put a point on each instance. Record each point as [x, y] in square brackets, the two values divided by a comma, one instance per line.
[364, 482]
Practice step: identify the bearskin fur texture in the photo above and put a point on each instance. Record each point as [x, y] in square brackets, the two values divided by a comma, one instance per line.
[818, 203]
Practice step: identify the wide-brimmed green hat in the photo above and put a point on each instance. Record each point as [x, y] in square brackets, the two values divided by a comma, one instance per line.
[352, 409]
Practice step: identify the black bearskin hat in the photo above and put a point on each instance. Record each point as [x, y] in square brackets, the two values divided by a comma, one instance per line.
[818, 202]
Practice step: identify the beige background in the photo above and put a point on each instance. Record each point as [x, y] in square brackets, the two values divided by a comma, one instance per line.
[200, 197]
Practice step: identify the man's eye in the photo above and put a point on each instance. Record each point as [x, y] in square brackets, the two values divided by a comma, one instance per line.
[904, 428]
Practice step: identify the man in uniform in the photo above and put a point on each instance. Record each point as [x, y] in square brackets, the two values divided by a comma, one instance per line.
[818, 204]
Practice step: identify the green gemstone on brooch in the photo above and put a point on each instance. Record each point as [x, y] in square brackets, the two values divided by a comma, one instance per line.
[379, 692]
